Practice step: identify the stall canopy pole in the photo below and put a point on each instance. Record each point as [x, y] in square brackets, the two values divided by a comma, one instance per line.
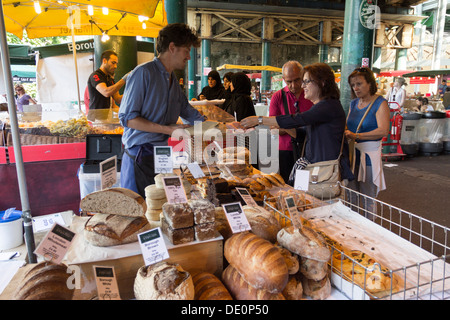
[26, 212]
[74, 48]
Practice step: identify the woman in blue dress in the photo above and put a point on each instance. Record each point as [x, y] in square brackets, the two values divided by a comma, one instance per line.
[367, 163]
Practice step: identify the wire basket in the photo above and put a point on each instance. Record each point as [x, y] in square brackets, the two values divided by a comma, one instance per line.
[423, 279]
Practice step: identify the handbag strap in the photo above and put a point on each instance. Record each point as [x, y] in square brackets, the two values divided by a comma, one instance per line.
[285, 104]
[365, 114]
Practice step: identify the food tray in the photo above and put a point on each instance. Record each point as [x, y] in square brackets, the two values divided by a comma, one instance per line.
[412, 249]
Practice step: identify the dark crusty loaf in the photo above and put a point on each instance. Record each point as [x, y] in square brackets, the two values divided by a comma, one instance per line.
[118, 201]
[208, 287]
[178, 215]
[293, 289]
[163, 281]
[45, 281]
[291, 260]
[104, 230]
[305, 242]
[316, 290]
[242, 290]
[258, 261]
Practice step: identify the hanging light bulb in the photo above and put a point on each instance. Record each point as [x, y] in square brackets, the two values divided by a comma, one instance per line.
[59, 1]
[142, 18]
[105, 37]
[37, 7]
[105, 11]
[90, 10]
[144, 26]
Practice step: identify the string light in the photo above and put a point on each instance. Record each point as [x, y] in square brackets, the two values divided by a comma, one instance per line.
[144, 26]
[90, 10]
[105, 11]
[105, 37]
[37, 7]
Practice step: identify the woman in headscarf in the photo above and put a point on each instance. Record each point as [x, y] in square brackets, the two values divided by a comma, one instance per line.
[214, 89]
[227, 92]
[241, 102]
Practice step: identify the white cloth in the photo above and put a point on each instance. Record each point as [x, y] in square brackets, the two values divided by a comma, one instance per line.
[373, 150]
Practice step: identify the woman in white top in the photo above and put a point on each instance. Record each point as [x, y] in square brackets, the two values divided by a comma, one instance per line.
[396, 95]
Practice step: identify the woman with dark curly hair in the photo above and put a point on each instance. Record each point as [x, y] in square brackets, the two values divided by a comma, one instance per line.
[324, 123]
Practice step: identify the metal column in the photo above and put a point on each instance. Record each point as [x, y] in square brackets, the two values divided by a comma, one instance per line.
[358, 40]
[267, 37]
[206, 48]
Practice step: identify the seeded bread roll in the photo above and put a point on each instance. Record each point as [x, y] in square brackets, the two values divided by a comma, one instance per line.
[163, 281]
[258, 261]
[242, 290]
[104, 230]
[313, 269]
[209, 287]
[305, 242]
[118, 201]
[44, 281]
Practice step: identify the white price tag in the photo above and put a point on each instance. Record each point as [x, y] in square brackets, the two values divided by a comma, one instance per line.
[106, 281]
[42, 223]
[163, 159]
[195, 170]
[174, 190]
[293, 212]
[108, 172]
[245, 195]
[153, 246]
[55, 244]
[301, 180]
[236, 217]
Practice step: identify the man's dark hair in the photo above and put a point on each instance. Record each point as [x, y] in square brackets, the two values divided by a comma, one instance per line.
[178, 33]
[107, 54]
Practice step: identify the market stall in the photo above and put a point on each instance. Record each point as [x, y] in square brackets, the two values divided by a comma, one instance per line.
[200, 221]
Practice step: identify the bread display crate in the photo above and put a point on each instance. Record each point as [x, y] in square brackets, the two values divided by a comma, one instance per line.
[409, 256]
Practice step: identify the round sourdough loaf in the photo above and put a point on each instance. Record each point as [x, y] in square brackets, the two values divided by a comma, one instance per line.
[291, 260]
[305, 242]
[163, 281]
[44, 281]
[118, 201]
[316, 290]
[262, 222]
[293, 289]
[313, 269]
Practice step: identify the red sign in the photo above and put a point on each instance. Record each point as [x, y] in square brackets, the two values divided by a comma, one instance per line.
[422, 80]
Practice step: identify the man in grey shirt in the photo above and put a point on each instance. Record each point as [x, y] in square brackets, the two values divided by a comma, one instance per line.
[152, 103]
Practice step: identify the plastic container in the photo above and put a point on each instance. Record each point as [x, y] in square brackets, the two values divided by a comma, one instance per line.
[11, 230]
[90, 182]
[431, 132]
[409, 138]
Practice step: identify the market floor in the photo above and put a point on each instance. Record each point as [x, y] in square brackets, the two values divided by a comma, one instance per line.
[420, 185]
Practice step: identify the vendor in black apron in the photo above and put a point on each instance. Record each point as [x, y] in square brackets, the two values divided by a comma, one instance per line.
[103, 91]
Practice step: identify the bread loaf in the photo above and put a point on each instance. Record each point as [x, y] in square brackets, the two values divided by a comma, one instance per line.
[178, 215]
[316, 290]
[305, 242]
[293, 289]
[203, 210]
[44, 281]
[163, 281]
[290, 259]
[177, 236]
[208, 287]
[258, 261]
[313, 269]
[262, 222]
[104, 230]
[221, 223]
[118, 201]
[242, 290]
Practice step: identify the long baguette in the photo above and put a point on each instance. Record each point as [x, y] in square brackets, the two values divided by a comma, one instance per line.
[258, 261]
[242, 290]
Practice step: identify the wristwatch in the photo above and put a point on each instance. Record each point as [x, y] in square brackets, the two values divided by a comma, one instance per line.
[260, 120]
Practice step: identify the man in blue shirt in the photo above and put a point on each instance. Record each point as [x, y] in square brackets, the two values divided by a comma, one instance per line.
[152, 103]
